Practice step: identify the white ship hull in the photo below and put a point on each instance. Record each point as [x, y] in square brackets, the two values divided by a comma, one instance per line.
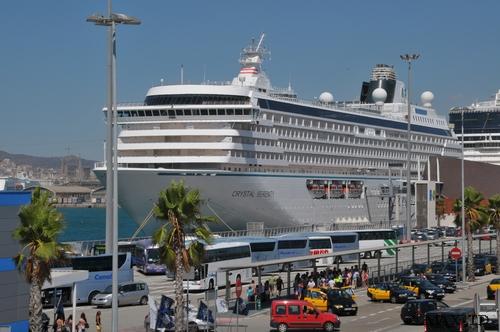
[237, 198]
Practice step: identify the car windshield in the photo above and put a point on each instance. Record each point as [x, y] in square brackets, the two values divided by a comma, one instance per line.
[107, 290]
[427, 284]
[495, 281]
[153, 255]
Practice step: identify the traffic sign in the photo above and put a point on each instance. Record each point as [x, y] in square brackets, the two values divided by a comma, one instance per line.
[239, 288]
[455, 253]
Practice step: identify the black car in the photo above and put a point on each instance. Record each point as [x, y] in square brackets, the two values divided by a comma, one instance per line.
[413, 312]
[453, 320]
[400, 294]
[443, 283]
[437, 266]
[449, 271]
[422, 287]
[341, 303]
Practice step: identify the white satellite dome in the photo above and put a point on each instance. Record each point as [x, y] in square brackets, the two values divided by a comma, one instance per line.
[326, 97]
[427, 97]
[379, 96]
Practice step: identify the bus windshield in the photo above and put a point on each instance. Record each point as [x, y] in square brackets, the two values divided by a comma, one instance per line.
[153, 255]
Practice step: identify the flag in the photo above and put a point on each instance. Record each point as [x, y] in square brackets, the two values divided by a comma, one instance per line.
[204, 313]
[165, 313]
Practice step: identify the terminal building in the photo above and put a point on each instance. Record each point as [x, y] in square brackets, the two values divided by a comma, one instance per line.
[14, 290]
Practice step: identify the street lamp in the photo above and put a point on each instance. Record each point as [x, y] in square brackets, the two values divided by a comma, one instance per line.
[463, 201]
[409, 58]
[111, 149]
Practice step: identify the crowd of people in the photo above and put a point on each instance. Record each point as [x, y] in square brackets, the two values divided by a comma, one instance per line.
[273, 287]
[63, 324]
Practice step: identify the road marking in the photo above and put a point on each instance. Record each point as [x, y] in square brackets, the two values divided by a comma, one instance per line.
[378, 321]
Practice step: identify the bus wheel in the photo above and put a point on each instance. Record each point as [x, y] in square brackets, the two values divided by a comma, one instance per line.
[368, 255]
[378, 254]
[211, 284]
[144, 300]
[338, 260]
[91, 296]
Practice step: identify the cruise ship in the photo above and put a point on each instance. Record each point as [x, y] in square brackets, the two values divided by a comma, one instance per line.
[481, 129]
[260, 154]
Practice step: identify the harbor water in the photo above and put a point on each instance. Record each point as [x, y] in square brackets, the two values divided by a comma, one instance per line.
[90, 224]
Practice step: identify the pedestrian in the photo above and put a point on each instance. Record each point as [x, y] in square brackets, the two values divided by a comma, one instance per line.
[81, 325]
[98, 323]
[59, 326]
[250, 294]
[69, 322]
[300, 287]
[82, 316]
[279, 285]
[364, 267]
[311, 284]
[355, 278]
[364, 277]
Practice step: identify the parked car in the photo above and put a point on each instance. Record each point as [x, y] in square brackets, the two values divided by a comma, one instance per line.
[439, 280]
[422, 287]
[453, 320]
[489, 310]
[492, 288]
[128, 293]
[298, 314]
[390, 292]
[413, 311]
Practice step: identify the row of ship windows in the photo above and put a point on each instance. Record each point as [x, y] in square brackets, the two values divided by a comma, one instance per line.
[423, 119]
[186, 112]
[356, 161]
[324, 125]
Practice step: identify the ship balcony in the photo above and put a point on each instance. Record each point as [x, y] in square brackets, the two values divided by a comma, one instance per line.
[196, 146]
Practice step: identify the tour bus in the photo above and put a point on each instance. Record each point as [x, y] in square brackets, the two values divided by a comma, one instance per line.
[100, 269]
[220, 255]
[294, 245]
[342, 241]
[147, 258]
[262, 249]
[377, 238]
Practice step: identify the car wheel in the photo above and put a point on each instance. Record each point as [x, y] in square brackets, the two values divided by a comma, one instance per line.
[422, 296]
[91, 296]
[144, 300]
[393, 299]
[407, 321]
[329, 327]
[282, 327]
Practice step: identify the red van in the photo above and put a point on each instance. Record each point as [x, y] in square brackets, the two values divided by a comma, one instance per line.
[297, 314]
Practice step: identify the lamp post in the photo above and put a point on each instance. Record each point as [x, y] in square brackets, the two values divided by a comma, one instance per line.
[463, 201]
[408, 58]
[111, 149]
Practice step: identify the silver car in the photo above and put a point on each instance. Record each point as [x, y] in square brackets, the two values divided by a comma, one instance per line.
[128, 293]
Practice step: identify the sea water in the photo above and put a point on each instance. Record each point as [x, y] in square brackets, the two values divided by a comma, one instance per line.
[90, 224]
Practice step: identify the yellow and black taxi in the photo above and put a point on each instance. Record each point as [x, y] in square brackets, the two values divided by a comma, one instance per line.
[423, 288]
[317, 298]
[387, 291]
[492, 288]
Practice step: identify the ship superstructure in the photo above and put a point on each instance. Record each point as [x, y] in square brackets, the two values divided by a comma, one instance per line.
[261, 154]
[481, 129]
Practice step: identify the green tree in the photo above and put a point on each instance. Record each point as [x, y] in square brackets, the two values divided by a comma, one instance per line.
[179, 207]
[40, 227]
[494, 220]
[474, 219]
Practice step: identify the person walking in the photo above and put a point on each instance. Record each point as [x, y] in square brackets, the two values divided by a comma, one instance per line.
[279, 285]
[355, 278]
[98, 323]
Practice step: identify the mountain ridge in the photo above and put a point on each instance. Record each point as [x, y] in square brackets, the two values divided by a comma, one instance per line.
[41, 162]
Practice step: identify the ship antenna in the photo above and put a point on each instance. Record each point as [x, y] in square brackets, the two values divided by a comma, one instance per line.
[182, 74]
[260, 42]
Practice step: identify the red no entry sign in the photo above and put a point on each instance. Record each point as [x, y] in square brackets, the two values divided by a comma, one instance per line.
[455, 253]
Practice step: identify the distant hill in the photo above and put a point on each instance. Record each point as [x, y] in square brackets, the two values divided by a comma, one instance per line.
[42, 162]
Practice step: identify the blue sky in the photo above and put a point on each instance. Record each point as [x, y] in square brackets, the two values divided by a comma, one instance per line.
[53, 63]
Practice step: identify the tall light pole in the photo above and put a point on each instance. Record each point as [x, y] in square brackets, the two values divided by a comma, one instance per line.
[463, 202]
[408, 58]
[111, 149]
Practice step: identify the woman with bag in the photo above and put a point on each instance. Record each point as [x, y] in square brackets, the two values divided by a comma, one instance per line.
[98, 326]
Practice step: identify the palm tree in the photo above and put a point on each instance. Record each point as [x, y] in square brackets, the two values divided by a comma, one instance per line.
[40, 227]
[474, 218]
[179, 207]
[494, 220]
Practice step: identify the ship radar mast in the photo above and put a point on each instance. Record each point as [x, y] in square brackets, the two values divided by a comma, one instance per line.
[251, 58]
